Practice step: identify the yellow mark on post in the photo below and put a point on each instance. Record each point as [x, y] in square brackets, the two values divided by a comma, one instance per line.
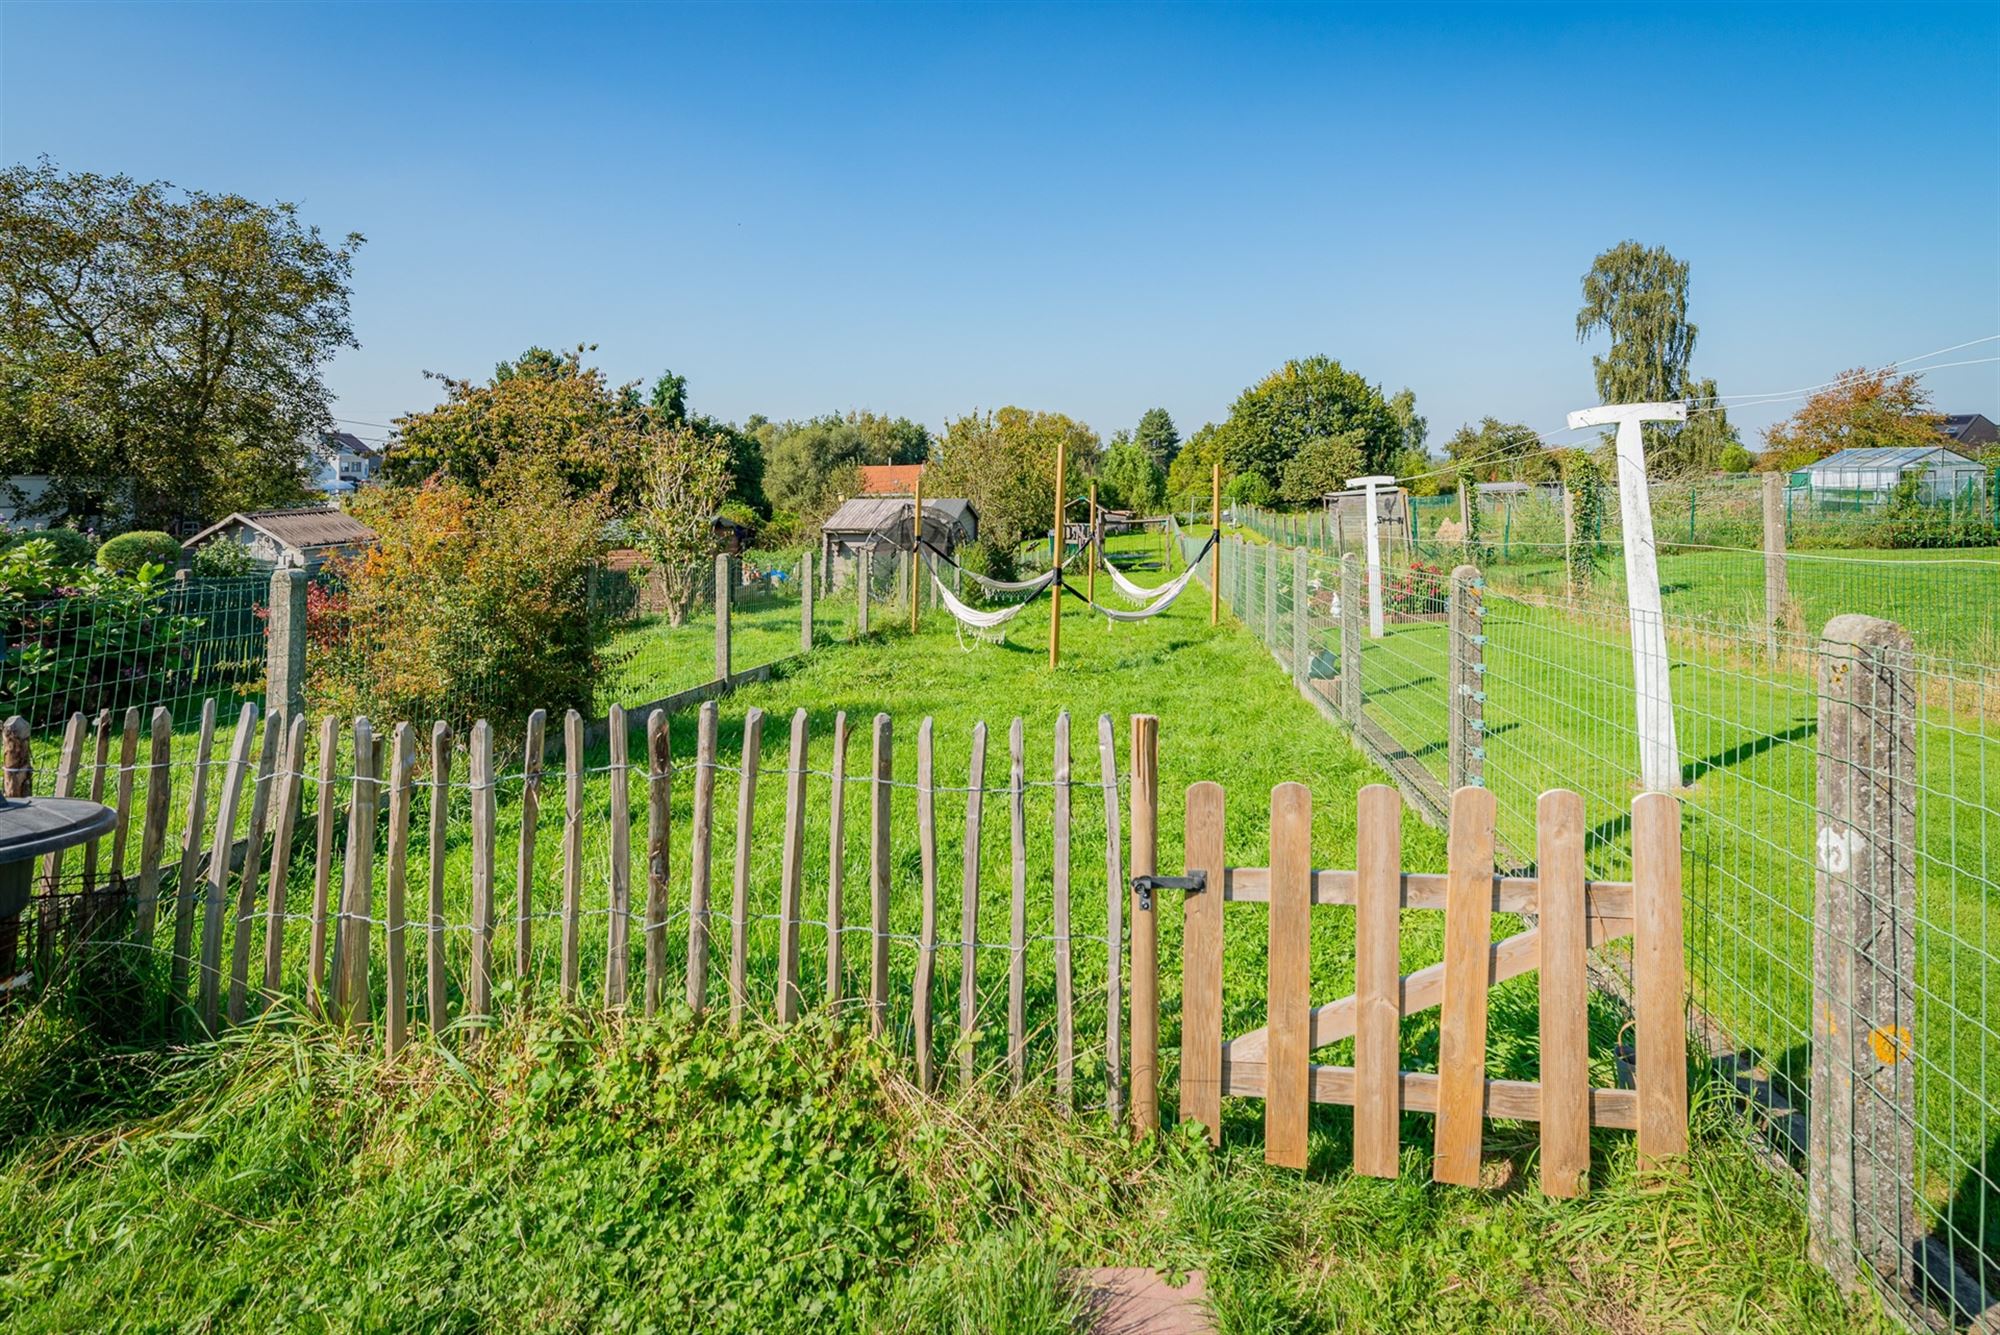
[1890, 1042]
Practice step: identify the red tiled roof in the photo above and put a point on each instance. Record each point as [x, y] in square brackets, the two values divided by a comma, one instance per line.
[890, 479]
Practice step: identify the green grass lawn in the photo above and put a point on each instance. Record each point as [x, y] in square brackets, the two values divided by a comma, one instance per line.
[573, 1172]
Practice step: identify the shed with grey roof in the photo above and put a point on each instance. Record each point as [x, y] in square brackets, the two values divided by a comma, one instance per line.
[882, 524]
[299, 539]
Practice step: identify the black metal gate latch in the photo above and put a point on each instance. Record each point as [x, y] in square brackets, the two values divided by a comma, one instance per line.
[1195, 882]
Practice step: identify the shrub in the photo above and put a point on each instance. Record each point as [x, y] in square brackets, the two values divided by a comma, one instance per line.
[66, 546]
[220, 558]
[983, 558]
[474, 604]
[128, 553]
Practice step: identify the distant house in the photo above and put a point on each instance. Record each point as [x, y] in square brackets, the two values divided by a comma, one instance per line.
[342, 461]
[301, 539]
[883, 523]
[890, 479]
[1971, 433]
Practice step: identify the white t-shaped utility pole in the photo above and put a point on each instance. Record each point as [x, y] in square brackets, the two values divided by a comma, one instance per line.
[1659, 751]
[1370, 489]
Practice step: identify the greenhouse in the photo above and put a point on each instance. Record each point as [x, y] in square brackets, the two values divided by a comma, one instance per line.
[1867, 479]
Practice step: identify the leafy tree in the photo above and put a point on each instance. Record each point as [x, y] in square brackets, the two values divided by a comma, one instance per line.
[1302, 402]
[1322, 466]
[1860, 408]
[1637, 295]
[1156, 435]
[1495, 452]
[1412, 426]
[1129, 479]
[1190, 477]
[547, 410]
[1005, 463]
[161, 347]
[891, 440]
[805, 463]
[1247, 489]
[687, 481]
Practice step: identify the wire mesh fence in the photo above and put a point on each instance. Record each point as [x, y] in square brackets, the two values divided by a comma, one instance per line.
[171, 642]
[1537, 689]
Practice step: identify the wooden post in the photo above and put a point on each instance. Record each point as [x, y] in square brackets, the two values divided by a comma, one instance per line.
[261, 789]
[1056, 557]
[1288, 999]
[437, 1008]
[1065, 976]
[479, 989]
[532, 750]
[153, 839]
[402, 769]
[1271, 596]
[217, 883]
[618, 925]
[1215, 552]
[1776, 594]
[1017, 918]
[1468, 942]
[1201, 964]
[326, 819]
[864, 577]
[701, 843]
[1659, 748]
[920, 989]
[1145, 861]
[1114, 923]
[836, 857]
[279, 874]
[1467, 679]
[724, 593]
[968, 909]
[285, 643]
[1861, 1171]
[659, 852]
[1350, 639]
[570, 977]
[17, 759]
[916, 549]
[739, 901]
[791, 885]
[1569, 541]
[1378, 863]
[1565, 993]
[879, 794]
[806, 603]
[351, 1002]
[184, 885]
[1090, 560]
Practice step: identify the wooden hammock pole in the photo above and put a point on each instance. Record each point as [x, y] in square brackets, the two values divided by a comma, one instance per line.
[1056, 558]
[916, 548]
[1090, 586]
[1215, 552]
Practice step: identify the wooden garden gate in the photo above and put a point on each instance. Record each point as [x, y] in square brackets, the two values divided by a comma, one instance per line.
[1275, 1063]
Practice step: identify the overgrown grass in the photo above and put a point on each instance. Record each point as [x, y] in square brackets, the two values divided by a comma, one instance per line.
[574, 1172]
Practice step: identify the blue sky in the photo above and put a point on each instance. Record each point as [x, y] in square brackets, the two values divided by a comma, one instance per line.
[930, 209]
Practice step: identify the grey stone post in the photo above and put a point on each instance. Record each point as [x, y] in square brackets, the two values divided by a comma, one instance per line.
[864, 575]
[1301, 621]
[1775, 592]
[723, 593]
[1350, 638]
[1271, 595]
[1861, 1148]
[1467, 678]
[285, 644]
[806, 604]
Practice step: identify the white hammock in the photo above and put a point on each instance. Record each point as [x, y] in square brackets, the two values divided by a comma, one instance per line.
[1138, 593]
[986, 625]
[1034, 585]
[1163, 598]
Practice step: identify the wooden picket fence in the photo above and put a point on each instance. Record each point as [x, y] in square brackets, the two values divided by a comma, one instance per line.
[252, 852]
[1573, 915]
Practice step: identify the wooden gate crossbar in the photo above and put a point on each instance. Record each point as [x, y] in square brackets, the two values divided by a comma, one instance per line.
[1575, 914]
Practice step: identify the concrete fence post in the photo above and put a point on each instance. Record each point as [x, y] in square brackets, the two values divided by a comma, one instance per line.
[1775, 591]
[806, 604]
[285, 644]
[1466, 630]
[1301, 621]
[864, 575]
[1861, 1147]
[1350, 638]
[723, 593]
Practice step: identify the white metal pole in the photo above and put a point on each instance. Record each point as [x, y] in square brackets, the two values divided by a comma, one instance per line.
[1369, 493]
[1659, 749]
